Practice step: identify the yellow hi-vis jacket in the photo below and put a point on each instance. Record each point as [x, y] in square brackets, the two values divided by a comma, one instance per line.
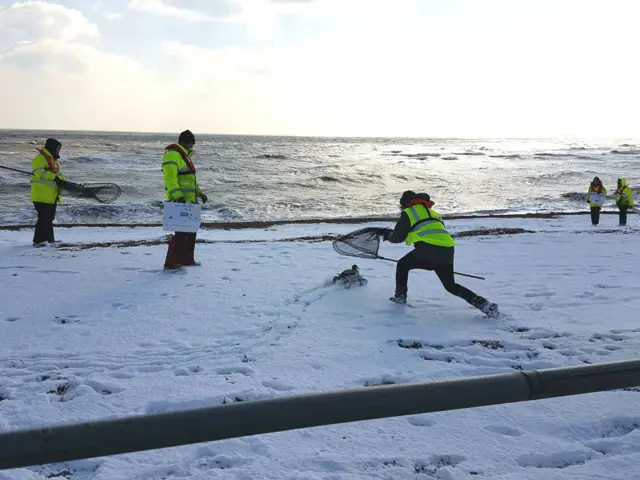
[179, 176]
[44, 171]
[427, 226]
[624, 195]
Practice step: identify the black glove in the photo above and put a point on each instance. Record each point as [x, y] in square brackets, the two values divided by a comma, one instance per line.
[385, 234]
[204, 198]
[181, 200]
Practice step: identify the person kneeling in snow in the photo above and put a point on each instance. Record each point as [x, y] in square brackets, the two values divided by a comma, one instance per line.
[422, 227]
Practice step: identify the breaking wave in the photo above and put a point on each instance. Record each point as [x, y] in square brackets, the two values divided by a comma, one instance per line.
[272, 156]
[626, 152]
[470, 154]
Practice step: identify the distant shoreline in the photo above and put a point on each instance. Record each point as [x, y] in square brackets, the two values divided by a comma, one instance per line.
[306, 221]
[52, 131]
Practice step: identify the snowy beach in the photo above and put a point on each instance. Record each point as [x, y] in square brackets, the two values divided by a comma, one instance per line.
[91, 332]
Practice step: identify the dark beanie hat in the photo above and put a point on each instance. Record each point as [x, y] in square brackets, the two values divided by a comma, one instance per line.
[187, 137]
[407, 197]
[52, 147]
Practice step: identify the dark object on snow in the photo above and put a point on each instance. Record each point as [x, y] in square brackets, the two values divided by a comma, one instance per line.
[102, 192]
[350, 277]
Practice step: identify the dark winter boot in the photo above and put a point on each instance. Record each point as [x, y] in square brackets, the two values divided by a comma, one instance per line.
[400, 298]
[490, 309]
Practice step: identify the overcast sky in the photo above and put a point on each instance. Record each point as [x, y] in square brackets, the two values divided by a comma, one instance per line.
[323, 67]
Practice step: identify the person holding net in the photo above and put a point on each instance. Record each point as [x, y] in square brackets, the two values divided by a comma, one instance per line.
[422, 227]
[45, 190]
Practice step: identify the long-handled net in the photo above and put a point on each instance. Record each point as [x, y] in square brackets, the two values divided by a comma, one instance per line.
[365, 243]
[362, 243]
[102, 192]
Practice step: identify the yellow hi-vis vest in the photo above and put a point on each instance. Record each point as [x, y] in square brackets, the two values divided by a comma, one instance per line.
[427, 226]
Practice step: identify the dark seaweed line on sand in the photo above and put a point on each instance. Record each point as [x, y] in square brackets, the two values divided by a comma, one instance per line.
[309, 239]
[273, 223]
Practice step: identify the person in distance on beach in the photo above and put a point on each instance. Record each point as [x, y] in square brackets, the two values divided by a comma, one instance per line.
[597, 201]
[180, 185]
[422, 227]
[624, 199]
[45, 192]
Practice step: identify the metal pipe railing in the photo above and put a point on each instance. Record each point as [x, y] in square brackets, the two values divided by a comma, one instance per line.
[148, 432]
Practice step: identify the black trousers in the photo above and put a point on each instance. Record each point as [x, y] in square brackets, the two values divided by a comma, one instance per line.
[595, 215]
[44, 225]
[623, 215]
[417, 260]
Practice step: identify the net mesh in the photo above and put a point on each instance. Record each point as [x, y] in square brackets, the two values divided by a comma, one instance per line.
[102, 192]
[363, 243]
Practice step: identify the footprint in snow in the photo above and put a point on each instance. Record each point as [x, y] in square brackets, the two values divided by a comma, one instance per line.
[420, 421]
[278, 386]
[539, 294]
[438, 462]
[11, 319]
[504, 430]
[233, 370]
[559, 460]
[66, 320]
[382, 380]
[185, 371]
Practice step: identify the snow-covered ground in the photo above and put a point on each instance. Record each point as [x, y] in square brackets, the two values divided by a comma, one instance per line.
[89, 333]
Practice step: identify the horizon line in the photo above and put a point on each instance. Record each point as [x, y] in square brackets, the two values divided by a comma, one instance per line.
[128, 132]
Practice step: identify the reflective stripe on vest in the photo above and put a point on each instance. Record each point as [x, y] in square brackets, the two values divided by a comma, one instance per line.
[48, 183]
[424, 222]
[44, 171]
[427, 226]
[179, 189]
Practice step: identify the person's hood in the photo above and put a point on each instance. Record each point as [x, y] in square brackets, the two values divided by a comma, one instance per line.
[52, 146]
[422, 199]
[623, 182]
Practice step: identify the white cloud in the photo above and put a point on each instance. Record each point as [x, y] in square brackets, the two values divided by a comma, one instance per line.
[36, 19]
[421, 84]
[189, 10]
[557, 78]
[51, 80]
[259, 17]
[82, 85]
[113, 15]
